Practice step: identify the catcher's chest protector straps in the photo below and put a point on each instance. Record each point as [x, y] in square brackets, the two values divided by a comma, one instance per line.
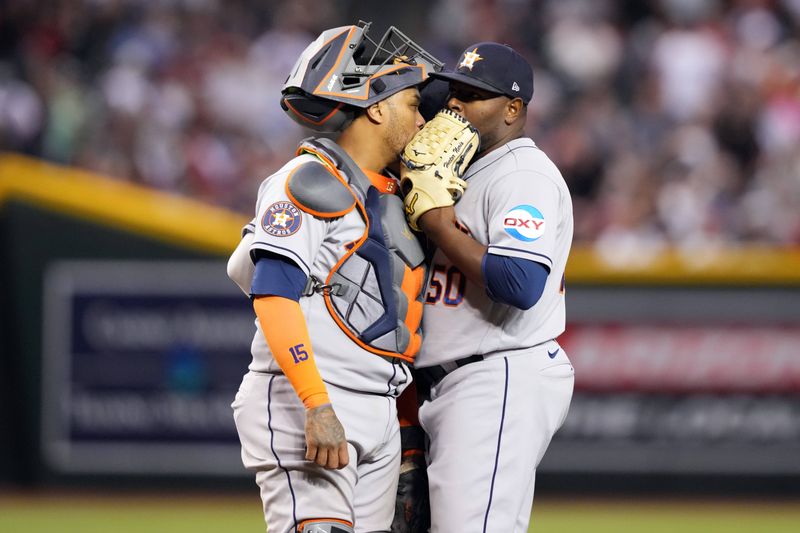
[375, 293]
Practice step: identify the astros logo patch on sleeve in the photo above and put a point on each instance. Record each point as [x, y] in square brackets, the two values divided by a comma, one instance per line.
[282, 219]
[524, 223]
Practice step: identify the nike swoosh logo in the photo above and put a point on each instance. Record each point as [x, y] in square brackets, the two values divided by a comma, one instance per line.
[553, 354]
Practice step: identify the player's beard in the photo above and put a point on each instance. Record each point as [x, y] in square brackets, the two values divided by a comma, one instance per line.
[395, 137]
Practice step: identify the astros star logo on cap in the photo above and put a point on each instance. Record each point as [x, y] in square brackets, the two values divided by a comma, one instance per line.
[470, 58]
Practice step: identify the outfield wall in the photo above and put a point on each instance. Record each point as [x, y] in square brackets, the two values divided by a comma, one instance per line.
[51, 216]
[123, 343]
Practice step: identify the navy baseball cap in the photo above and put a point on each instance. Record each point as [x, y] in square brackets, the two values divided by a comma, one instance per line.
[493, 67]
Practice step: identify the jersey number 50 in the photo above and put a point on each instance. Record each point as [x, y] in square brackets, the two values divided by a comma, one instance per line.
[447, 284]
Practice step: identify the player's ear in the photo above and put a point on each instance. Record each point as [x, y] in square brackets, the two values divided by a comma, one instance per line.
[376, 113]
[515, 108]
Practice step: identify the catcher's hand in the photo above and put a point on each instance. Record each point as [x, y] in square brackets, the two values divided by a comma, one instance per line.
[412, 511]
[433, 163]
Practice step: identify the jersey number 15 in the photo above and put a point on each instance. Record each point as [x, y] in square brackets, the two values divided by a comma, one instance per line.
[298, 353]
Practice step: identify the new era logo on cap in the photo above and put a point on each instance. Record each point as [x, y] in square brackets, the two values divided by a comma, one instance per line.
[495, 68]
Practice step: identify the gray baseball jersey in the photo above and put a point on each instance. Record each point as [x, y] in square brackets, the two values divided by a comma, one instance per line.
[497, 414]
[518, 205]
[316, 245]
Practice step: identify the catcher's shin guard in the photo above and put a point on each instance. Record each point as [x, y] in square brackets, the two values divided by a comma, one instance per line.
[325, 525]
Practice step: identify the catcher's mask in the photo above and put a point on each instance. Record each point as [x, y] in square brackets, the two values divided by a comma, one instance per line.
[345, 70]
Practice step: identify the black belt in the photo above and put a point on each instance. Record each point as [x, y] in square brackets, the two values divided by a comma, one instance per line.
[429, 376]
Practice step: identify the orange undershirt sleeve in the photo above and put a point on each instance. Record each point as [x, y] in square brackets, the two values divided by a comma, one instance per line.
[286, 332]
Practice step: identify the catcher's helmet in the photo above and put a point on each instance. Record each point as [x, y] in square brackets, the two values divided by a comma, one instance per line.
[344, 69]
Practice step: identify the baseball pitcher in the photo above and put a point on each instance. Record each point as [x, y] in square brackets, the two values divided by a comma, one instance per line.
[496, 383]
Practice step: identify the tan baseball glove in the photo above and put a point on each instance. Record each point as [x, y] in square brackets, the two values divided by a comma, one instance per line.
[433, 163]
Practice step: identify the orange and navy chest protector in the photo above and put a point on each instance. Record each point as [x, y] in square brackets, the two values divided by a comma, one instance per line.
[375, 291]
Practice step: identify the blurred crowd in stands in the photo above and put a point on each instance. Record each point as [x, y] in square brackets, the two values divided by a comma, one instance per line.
[674, 122]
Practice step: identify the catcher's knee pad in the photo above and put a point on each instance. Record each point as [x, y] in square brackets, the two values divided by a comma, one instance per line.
[324, 525]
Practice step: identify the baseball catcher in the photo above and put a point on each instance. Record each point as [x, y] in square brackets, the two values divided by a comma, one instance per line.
[337, 326]
[433, 163]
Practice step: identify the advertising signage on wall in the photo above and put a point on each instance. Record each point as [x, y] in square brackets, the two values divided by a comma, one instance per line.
[682, 399]
[685, 358]
[142, 360]
[141, 363]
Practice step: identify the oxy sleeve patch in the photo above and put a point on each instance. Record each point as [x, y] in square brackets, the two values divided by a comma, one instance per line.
[282, 219]
[524, 223]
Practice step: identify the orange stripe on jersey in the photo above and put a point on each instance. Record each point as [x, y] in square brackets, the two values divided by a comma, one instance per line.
[286, 332]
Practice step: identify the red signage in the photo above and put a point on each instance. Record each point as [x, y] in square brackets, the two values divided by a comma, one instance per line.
[684, 358]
